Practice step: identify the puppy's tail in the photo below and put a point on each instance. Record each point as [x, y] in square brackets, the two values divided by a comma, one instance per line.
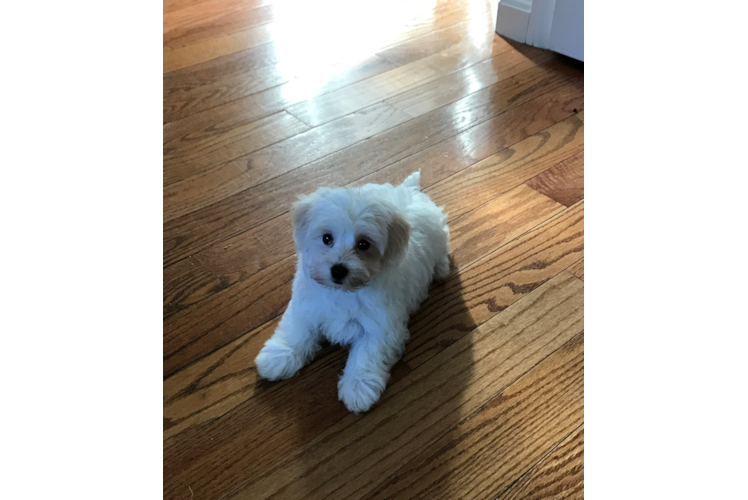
[413, 180]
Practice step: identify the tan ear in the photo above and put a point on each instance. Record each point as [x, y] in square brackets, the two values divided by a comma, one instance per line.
[398, 234]
[301, 215]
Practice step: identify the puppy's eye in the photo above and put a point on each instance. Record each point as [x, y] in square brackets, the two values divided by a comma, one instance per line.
[327, 239]
[363, 245]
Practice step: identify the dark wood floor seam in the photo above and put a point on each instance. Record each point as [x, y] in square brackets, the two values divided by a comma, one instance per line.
[536, 464]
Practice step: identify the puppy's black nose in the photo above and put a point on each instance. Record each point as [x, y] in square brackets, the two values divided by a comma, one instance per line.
[338, 271]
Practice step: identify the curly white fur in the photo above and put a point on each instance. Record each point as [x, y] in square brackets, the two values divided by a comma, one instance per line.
[386, 279]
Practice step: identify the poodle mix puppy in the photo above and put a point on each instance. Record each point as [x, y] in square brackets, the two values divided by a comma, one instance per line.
[366, 257]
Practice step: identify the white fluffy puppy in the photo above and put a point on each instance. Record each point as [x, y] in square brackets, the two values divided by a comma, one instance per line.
[366, 256]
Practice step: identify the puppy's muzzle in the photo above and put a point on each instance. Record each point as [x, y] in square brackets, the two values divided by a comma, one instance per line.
[338, 273]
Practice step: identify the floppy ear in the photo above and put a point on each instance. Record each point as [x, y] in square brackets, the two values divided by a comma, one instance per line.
[301, 215]
[398, 234]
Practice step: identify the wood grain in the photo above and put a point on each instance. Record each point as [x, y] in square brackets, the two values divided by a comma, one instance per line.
[490, 226]
[193, 153]
[238, 213]
[559, 475]
[254, 63]
[247, 253]
[577, 269]
[416, 41]
[564, 182]
[510, 167]
[209, 389]
[435, 398]
[495, 282]
[477, 143]
[185, 280]
[215, 322]
[214, 184]
[205, 51]
[450, 88]
[435, 41]
[260, 93]
[227, 378]
[489, 451]
[175, 5]
[221, 22]
[354, 97]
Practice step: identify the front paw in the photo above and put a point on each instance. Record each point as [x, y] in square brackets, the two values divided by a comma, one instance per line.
[277, 362]
[359, 393]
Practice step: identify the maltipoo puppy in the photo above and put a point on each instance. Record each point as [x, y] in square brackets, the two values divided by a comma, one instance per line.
[366, 257]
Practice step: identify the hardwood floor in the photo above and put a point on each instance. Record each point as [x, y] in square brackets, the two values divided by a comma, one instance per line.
[268, 99]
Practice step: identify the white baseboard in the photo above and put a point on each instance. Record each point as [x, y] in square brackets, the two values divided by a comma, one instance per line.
[539, 27]
[512, 19]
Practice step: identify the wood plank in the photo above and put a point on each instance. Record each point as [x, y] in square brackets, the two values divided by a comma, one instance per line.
[307, 60]
[560, 475]
[292, 409]
[217, 46]
[452, 87]
[204, 12]
[185, 280]
[304, 148]
[349, 99]
[477, 143]
[200, 52]
[172, 5]
[220, 23]
[193, 153]
[213, 48]
[240, 212]
[175, 5]
[201, 329]
[213, 184]
[411, 21]
[433, 41]
[184, 94]
[433, 399]
[241, 112]
[577, 269]
[244, 63]
[227, 378]
[564, 182]
[488, 227]
[191, 27]
[224, 317]
[490, 450]
[241, 256]
[204, 86]
[215, 384]
[509, 167]
[493, 283]
[250, 97]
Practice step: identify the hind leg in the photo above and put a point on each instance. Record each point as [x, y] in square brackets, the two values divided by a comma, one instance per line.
[441, 269]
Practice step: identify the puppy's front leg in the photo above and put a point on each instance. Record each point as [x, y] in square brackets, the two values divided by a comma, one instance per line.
[368, 369]
[292, 346]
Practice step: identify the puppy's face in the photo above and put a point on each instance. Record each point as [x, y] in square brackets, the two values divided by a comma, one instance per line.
[347, 236]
